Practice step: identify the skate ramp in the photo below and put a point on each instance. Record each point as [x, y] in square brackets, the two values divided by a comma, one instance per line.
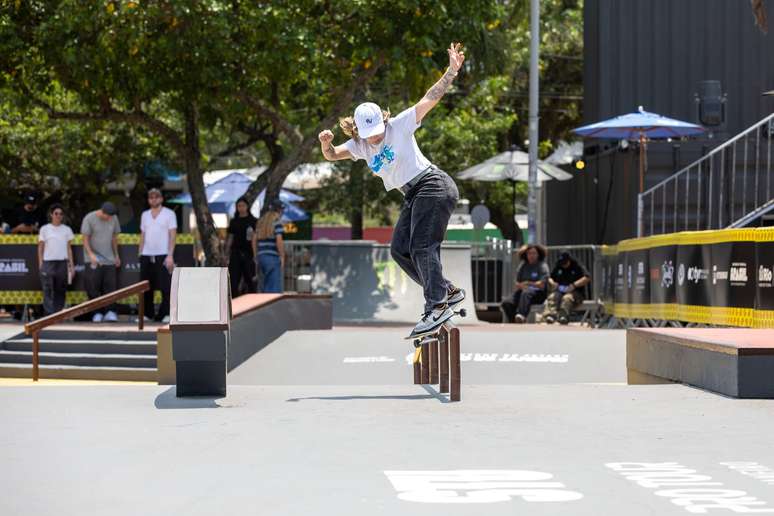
[369, 287]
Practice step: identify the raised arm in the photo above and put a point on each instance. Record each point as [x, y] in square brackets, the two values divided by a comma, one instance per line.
[329, 151]
[438, 90]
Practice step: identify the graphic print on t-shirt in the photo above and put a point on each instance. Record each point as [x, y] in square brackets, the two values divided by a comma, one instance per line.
[385, 156]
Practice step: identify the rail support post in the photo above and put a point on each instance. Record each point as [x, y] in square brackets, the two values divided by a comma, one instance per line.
[455, 372]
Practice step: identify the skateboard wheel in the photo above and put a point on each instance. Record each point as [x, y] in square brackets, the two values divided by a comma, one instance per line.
[463, 312]
[417, 343]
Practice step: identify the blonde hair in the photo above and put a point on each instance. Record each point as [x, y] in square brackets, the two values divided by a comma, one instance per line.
[264, 228]
[350, 129]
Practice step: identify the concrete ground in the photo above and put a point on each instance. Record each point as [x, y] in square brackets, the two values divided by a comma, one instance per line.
[328, 423]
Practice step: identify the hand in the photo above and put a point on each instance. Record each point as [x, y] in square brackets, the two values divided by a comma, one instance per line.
[570, 288]
[169, 263]
[326, 137]
[117, 261]
[93, 260]
[456, 57]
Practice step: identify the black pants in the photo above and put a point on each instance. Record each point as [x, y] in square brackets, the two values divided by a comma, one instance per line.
[521, 302]
[241, 266]
[53, 278]
[152, 269]
[99, 281]
[419, 233]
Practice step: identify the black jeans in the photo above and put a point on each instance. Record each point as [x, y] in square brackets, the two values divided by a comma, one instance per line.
[420, 230]
[53, 278]
[100, 280]
[152, 269]
[241, 265]
[521, 302]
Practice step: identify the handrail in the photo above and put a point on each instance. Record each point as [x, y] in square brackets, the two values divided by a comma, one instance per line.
[711, 153]
[33, 328]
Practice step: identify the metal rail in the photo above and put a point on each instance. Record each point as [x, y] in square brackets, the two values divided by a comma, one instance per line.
[729, 187]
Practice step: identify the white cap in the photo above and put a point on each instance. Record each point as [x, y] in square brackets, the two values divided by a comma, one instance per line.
[369, 120]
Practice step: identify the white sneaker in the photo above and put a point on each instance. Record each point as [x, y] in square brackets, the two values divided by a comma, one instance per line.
[165, 320]
[111, 316]
[431, 321]
[96, 317]
[145, 318]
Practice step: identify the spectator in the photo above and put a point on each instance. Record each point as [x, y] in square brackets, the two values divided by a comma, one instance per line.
[268, 247]
[28, 217]
[55, 260]
[241, 262]
[566, 282]
[100, 229]
[158, 230]
[530, 286]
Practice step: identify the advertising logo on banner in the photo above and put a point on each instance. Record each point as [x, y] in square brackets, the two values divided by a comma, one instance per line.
[765, 284]
[693, 271]
[621, 289]
[663, 281]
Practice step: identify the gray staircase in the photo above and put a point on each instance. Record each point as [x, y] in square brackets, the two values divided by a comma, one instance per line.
[83, 354]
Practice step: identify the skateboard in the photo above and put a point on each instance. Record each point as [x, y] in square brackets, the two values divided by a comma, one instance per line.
[432, 335]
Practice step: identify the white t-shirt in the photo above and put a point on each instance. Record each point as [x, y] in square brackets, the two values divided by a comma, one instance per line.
[56, 239]
[155, 231]
[398, 158]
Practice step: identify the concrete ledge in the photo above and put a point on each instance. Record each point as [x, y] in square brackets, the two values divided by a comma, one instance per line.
[734, 362]
[258, 320]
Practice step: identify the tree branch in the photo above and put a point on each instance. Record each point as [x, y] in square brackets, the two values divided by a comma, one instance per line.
[278, 120]
[107, 112]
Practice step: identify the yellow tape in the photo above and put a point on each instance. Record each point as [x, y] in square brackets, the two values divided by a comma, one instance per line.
[417, 355]
[123, 238]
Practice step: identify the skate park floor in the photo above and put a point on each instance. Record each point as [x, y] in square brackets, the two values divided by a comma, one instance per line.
[329, 423]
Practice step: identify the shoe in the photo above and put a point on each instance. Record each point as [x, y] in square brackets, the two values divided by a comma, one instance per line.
[455, 297]
[110, 316]
[549, 319]
[432, 320]
[563, 320]
[96, 317]
[165, 320]
[145, 318]
[520, 319]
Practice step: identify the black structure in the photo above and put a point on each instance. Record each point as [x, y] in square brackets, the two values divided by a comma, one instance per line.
[200, 324]
[657, 53]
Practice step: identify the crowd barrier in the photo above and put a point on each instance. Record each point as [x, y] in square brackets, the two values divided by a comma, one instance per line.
[720, 277]
[20, 277]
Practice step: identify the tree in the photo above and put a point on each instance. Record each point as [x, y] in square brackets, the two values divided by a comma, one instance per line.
[274, 73]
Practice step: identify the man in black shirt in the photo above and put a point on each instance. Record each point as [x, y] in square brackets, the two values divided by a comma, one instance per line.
[239, 249]
[566, 281]
[28, 218]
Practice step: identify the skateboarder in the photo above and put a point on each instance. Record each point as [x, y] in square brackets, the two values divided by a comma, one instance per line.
[390, 149]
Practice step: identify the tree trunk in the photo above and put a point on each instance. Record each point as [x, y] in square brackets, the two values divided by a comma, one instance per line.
[192, 160]
[507, 224]
[356, 188]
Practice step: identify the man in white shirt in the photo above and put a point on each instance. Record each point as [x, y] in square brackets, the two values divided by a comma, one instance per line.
[158, 229]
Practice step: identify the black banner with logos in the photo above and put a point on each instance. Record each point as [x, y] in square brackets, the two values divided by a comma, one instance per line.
[19, 265]
[693, 282]
[663, 279]
[620, 287]
[732, 274]
[637, 277]
[608, 278]
[765, 275]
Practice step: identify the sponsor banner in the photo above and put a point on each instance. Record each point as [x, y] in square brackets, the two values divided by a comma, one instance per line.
[620, 289]
[693, 280]
[663, 281]
[732, 274]
[638, 281]
[607, 290]
[20, 280]
[764, 283]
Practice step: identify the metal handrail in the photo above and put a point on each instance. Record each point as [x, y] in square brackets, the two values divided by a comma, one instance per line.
[728, 187]
[35, 327]
[711, 153]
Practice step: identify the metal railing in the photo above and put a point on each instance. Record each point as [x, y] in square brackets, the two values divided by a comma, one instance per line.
[729, 187]
[586, 255]
[491, 266]
[35, 327]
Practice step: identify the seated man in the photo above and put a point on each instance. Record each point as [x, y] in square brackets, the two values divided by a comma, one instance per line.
[530, 286]
[566, 283]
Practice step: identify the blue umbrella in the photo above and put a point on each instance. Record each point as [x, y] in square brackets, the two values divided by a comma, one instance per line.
[290, 211]
[639, 126]
[223, 193]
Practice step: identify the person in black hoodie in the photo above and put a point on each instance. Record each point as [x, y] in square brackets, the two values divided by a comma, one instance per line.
[566, 283]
